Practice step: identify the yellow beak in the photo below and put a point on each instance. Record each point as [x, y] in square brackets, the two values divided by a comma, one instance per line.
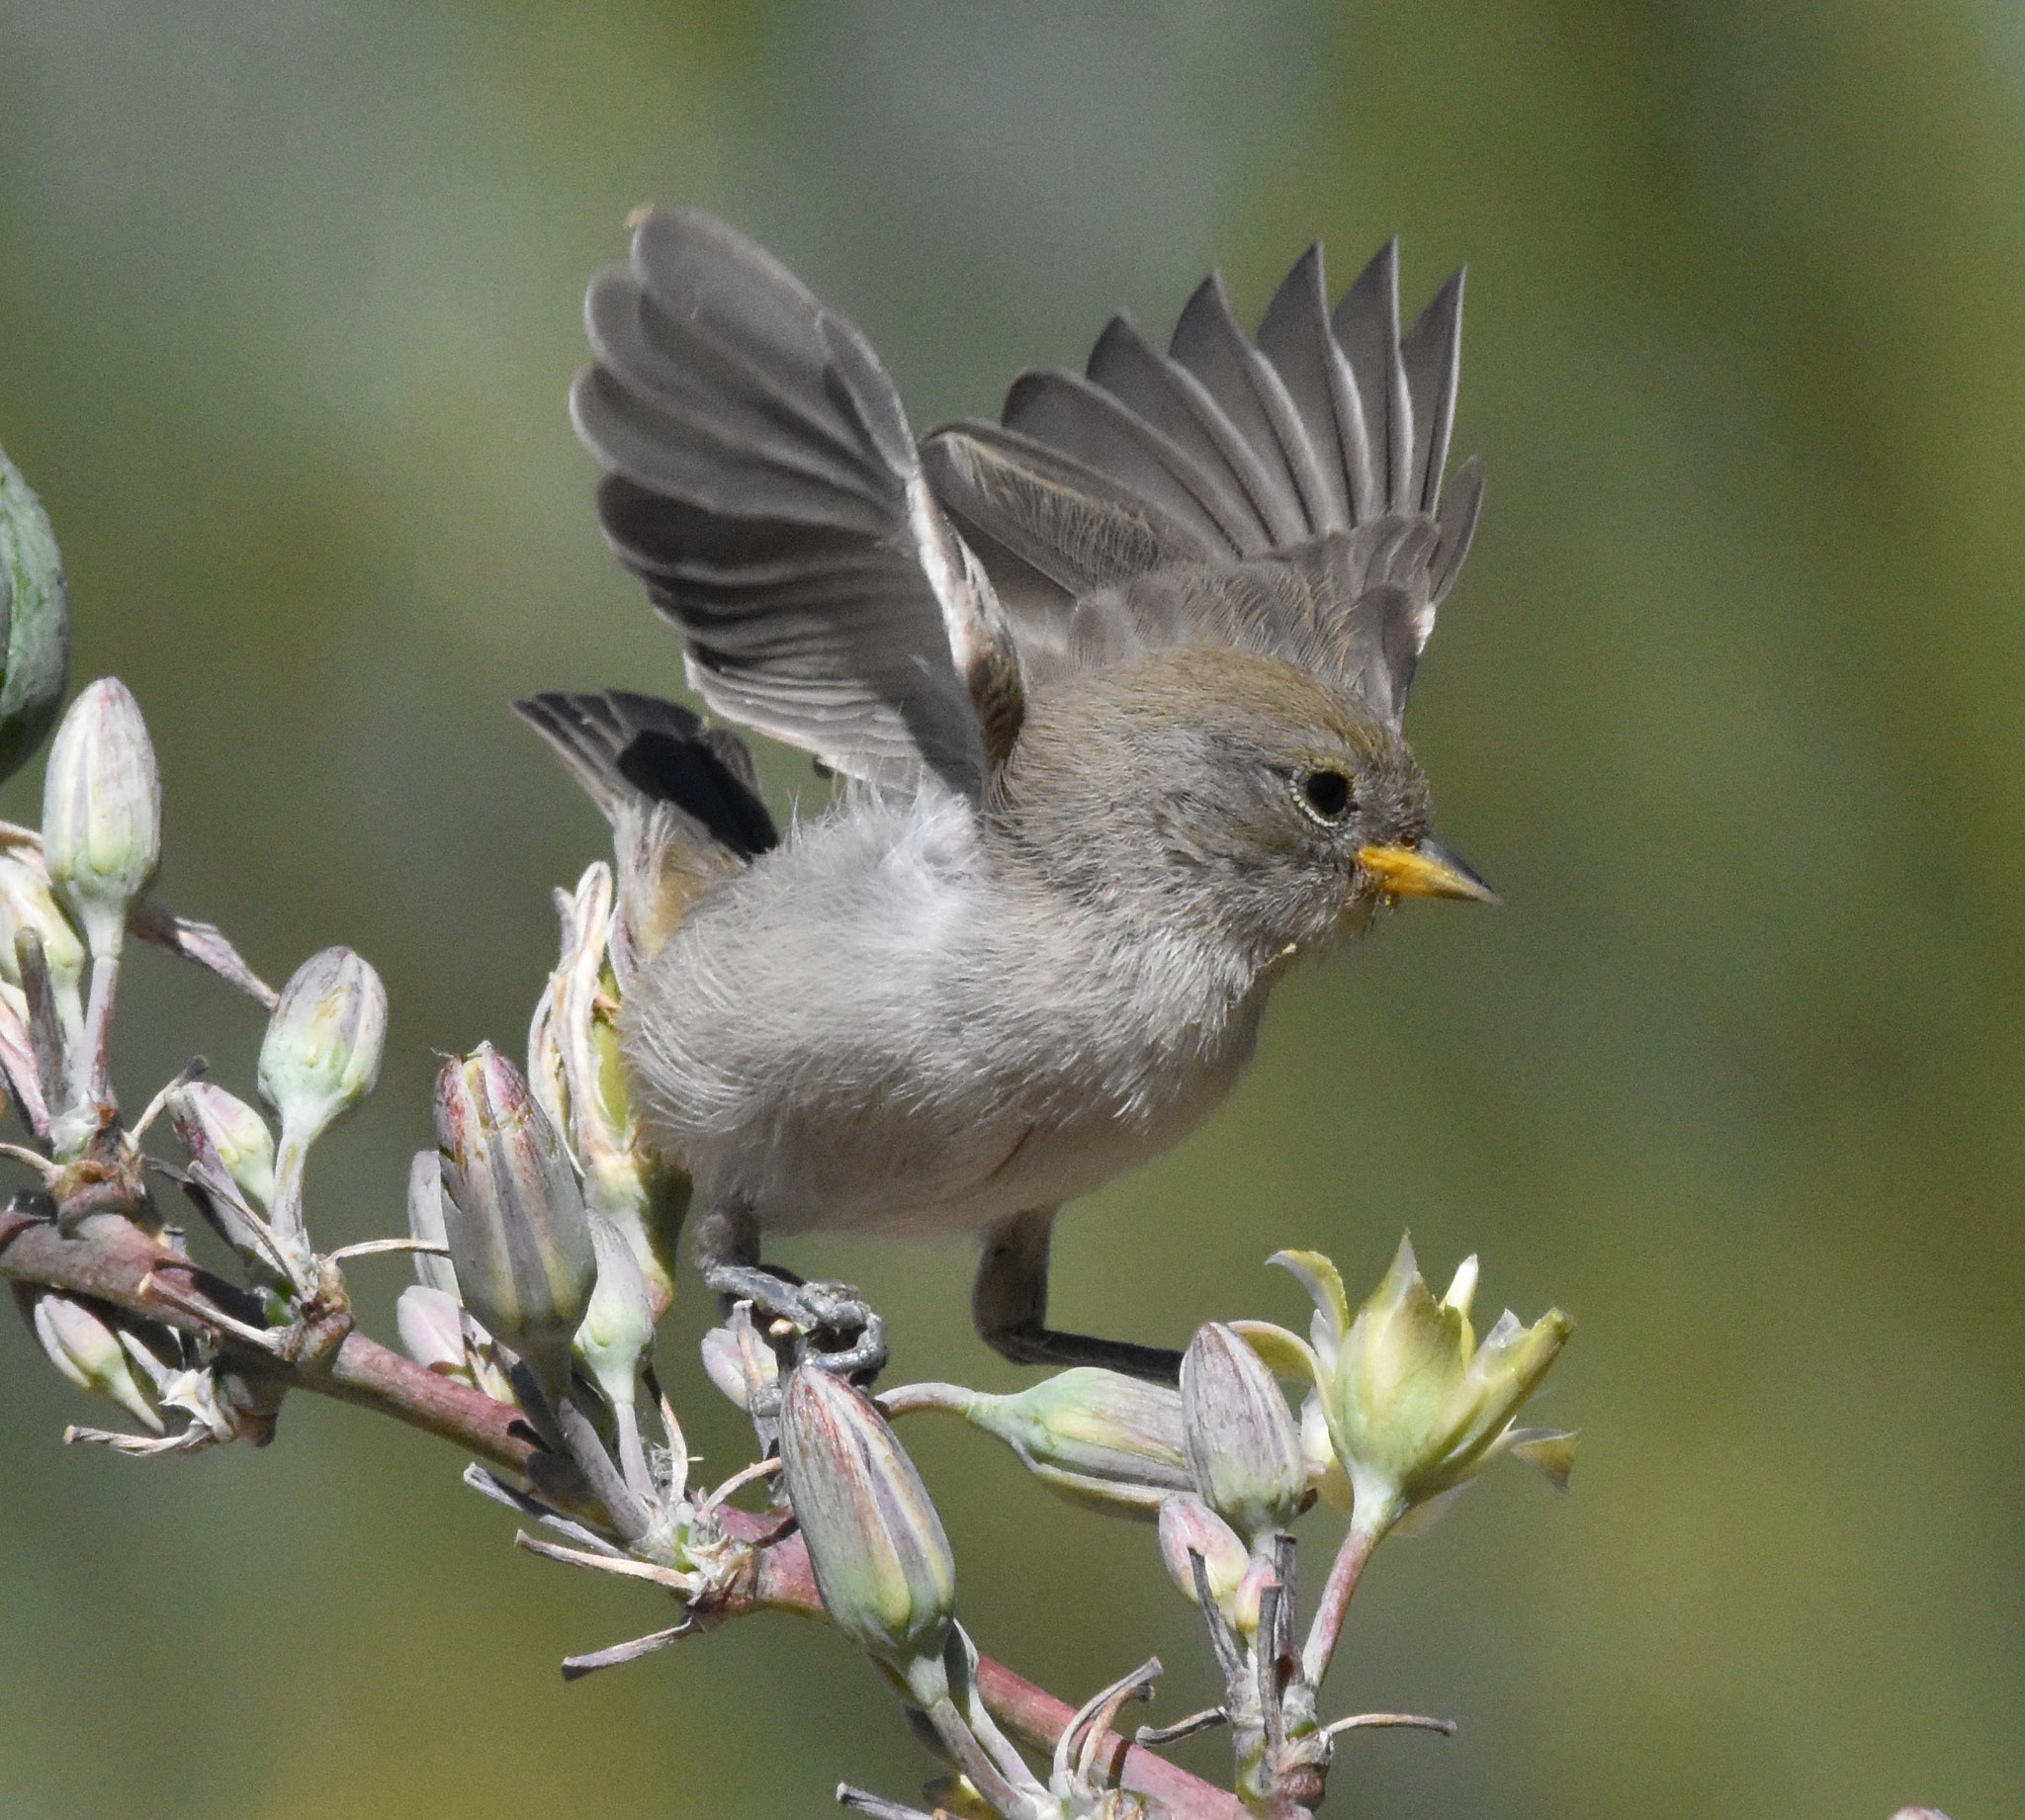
[1429, 870]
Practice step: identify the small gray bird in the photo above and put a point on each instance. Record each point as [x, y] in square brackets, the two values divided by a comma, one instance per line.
[1118, 681]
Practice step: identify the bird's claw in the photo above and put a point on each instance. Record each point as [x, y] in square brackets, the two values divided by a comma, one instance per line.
[831, 1325]
[840, 1332]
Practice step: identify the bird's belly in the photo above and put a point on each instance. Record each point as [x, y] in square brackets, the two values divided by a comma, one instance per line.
[925, 1162]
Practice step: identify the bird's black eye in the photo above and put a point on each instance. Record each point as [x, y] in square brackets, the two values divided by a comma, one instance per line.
[1324, 794]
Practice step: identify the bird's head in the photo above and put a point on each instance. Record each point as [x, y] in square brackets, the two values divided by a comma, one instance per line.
[1217, 790]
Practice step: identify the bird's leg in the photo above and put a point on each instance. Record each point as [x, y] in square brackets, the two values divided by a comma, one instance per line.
[840, 1331]
[1010, 1305]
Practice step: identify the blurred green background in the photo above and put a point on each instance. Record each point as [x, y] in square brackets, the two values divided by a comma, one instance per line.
[1727, 704]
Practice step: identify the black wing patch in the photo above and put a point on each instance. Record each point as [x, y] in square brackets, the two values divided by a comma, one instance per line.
[624, 747]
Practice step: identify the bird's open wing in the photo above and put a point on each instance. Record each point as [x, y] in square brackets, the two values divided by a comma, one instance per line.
[761, 479]
[1282, 494]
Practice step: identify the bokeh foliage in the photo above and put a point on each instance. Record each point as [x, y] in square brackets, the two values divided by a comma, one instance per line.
[1726, 704]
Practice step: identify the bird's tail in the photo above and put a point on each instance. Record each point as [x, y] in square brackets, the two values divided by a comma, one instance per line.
[681, 796]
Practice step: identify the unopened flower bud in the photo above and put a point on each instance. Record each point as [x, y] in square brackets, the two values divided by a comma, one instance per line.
[1243, 1606]
[574, 1074]
[737, 1360]
[102, 812]
[1093, 1433]
[431, 1328]
[219, 1192]
[437, 1332]
[618, 1327]
[88, 1352]
[615, 1339]
[881, 1560]
[1188, 1526]
[1243, 1446]
[321, 1053]
[513, 1214]
[320, 1058]
[27, 902]
[239, 1136]
[425, 1222]
[35, 621]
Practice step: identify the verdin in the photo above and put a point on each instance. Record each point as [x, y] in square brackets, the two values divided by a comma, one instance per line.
[1118, 681]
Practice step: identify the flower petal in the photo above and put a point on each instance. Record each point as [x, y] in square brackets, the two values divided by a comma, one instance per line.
[1286, 1355]
[1322, 1280]
[1549, 1452]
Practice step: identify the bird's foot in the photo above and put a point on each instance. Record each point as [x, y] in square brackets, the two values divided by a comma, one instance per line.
[827, 1324]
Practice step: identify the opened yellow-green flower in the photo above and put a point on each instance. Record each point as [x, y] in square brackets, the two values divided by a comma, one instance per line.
[1414, 1408]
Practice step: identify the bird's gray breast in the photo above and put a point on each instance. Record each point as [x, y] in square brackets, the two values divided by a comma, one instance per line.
[875, 1027]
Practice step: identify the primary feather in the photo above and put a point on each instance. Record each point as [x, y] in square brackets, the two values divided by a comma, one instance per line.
[1304, 473]
[761, 478]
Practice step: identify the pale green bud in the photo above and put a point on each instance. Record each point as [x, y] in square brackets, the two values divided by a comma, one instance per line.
[513, 1214]
[87, 1351]
[1243, 1445]
[320, 1058]
[1097, 1435]
[220, 1193]
[618, 1327]
[615, 1339]
[102, 812]
[27, 902]
[239, 1136]
[321, 1053]
[35, 621]
[881, 1560]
